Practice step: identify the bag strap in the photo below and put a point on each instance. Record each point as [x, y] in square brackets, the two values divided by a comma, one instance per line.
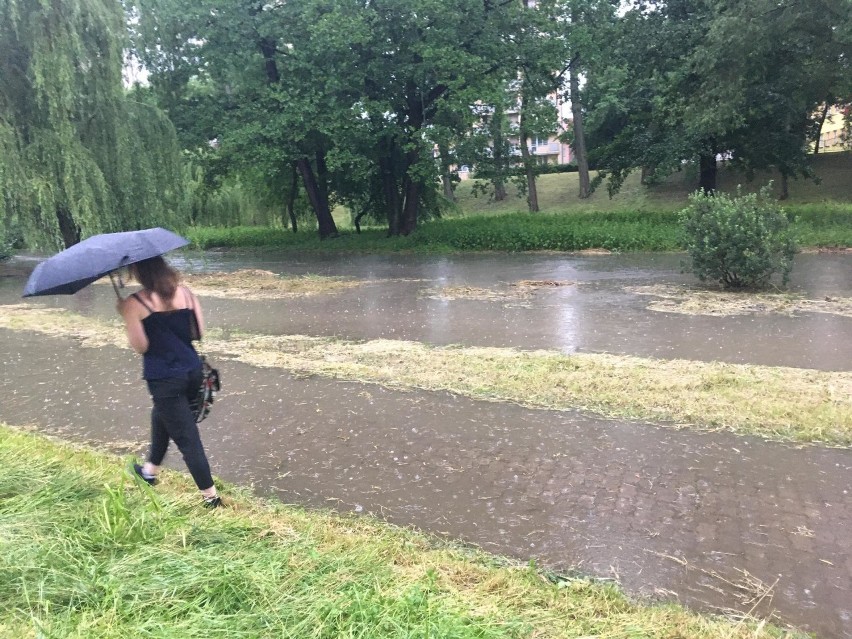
[190, 304]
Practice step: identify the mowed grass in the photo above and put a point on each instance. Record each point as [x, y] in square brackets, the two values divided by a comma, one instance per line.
[773, 402]
[88, 552]
[558, 193]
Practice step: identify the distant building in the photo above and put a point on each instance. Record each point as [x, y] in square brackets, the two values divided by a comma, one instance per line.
[545, 150]
[833, 135]
[549, 150]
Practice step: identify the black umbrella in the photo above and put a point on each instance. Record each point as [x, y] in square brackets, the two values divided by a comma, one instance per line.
[74, 268]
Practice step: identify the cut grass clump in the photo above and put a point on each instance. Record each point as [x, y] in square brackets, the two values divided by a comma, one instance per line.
[86, 551]
[256, 284]
[691, 301]
[773, 402]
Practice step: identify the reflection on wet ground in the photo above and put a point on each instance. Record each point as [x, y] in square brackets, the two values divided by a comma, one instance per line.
[714, 520]
[597, 314]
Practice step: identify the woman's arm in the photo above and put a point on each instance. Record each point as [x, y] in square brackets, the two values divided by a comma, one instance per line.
[132, 311]
[199, 313]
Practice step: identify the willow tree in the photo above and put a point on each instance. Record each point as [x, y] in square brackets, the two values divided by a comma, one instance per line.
[76, 156]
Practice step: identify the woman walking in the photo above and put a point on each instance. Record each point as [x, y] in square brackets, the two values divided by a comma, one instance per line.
[162, 320]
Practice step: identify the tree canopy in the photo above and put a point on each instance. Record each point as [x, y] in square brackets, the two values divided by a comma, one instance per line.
[686, 80]
[369, 103]
[76, 156]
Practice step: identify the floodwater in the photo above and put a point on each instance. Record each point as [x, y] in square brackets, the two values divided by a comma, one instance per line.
[716, 521]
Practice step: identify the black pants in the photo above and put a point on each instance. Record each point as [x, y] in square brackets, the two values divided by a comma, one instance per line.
[172, 418]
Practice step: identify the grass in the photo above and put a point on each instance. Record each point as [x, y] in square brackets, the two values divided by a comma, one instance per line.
[557, 193]
[815, 227]
[773, 402]
[88, 552]
[638, 218]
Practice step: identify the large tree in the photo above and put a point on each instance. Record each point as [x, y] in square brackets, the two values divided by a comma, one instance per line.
[690, 79]
[340, 87]
[768, 70]
[639, 104]
[76, 155]
[226, 73]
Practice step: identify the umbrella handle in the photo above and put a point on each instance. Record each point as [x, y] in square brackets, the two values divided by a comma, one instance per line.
[116, 285]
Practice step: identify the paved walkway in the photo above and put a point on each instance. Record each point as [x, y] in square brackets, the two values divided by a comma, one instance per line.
[715, 521]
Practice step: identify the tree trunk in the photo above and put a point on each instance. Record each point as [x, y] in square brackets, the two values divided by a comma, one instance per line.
[357, 220]
[446, 178]
[497, 140]
[411, 184]
[785, 187]
[411, 208]
[325, 221]
[579, 135]
[291, 200]
[391, 193]
[69, 229]
[646, 174]
[322, 174]
[529, 169]
[268, 50]
[707, 172]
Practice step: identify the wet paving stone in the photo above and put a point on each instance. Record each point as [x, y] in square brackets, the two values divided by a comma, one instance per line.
[715, 521]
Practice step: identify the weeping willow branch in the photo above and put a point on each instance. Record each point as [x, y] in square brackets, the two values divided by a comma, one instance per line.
[76, 156]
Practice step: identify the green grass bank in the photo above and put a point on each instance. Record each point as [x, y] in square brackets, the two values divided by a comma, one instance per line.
[816, 226]
[638, 218]
[88, 552]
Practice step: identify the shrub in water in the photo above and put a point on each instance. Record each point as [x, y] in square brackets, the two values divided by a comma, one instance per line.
[740, 241]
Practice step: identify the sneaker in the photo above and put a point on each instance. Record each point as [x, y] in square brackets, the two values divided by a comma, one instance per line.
[212, 502]
[148, 479]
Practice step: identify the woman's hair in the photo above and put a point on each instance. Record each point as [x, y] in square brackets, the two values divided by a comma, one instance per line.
[156, 275]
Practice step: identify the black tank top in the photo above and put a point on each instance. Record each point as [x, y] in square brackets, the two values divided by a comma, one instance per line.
[170, 351]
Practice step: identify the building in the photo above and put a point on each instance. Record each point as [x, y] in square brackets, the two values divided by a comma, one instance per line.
[834, 136]
[550, 150]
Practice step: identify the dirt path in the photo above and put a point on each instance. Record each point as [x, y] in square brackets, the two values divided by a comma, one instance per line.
[718, 522]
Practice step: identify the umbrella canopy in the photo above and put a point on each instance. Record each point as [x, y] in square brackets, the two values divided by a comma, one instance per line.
[78, 266]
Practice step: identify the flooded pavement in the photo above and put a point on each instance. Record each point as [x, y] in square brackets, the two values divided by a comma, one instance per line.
[595, 313]
[716, 521]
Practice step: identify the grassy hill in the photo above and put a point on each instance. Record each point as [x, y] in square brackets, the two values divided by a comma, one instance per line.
[557, 193]
[638, 218]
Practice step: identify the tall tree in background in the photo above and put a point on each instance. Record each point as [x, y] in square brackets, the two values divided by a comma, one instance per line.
[296, 86]
[769, 69]
[424, 57]
[587, 25]
[541, 56]
[76, 156]
[640, 103]
[691, 79]
[485, 145]
[226, 70]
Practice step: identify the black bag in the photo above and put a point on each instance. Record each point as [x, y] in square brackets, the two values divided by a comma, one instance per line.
[210, 385]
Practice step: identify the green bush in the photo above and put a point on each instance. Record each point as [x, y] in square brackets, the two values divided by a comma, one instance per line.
[740, 241]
